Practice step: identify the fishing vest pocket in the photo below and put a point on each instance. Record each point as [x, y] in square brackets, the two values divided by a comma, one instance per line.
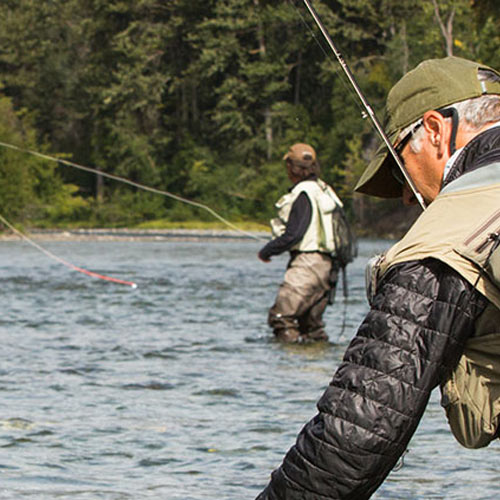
[482, 248]
[283, 206]
[277, 227]
[372, 276]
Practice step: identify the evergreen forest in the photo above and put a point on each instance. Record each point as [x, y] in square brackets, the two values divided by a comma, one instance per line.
[201, 98]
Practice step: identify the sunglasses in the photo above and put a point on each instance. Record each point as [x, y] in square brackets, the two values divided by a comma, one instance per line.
[395, 170]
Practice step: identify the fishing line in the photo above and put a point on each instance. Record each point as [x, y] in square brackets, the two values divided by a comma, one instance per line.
[340, 74]
[135, 184]
[64, 262]
[369, 111]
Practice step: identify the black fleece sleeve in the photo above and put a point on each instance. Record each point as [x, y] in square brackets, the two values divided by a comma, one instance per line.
[414, 334]
[298, 222]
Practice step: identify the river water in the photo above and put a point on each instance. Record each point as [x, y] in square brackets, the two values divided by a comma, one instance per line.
[176, 389]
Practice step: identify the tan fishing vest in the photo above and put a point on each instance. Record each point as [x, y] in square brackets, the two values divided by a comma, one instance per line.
[319, 235]
[456, 229]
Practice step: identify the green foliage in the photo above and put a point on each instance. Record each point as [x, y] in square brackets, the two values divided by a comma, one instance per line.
[30, 188]
[63, 206]
[487, 51]
[125, 208]
[264, 188]
[201, 98]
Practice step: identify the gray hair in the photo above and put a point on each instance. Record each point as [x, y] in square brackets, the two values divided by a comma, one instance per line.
[473, 113]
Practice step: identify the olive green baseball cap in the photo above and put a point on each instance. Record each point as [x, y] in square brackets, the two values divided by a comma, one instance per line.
[433, 84]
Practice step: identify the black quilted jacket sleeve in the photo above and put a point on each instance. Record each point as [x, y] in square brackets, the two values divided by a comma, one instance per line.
[421, 316]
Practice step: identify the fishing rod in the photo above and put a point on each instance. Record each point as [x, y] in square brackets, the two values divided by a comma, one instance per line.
[365, 103]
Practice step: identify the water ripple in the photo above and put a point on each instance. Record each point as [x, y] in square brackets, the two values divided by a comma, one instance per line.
[177, 390]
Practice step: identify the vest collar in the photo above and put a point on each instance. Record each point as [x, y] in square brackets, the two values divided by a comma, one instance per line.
[480, 151]
[312, 177]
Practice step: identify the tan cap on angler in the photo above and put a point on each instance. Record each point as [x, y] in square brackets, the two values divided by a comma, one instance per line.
[300, 153]
[433, 84]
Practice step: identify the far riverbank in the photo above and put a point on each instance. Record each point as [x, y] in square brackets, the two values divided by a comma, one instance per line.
[111, 234]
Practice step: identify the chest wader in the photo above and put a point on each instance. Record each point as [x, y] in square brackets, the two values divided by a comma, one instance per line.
[461, 228]
[297, 314]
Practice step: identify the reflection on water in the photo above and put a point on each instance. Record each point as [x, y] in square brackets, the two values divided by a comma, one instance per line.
[176, 390]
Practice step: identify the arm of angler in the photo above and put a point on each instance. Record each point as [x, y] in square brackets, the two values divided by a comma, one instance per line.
[300, 218]
[421, 316]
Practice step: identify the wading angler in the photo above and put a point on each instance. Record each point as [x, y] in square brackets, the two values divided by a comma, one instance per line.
[305, 228]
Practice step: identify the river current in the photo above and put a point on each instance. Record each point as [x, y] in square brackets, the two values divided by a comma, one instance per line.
[176, 390]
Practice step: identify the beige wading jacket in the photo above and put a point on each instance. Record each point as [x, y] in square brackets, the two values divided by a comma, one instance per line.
[422, 315]
[458, 229]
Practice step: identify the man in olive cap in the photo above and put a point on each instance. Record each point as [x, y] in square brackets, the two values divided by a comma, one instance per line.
[435, 296]
[303, 228]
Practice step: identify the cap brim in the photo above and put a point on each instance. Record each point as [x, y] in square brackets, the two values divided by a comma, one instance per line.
[377, 179]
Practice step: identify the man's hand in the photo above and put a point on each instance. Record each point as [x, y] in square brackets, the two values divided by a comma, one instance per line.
[264, 259]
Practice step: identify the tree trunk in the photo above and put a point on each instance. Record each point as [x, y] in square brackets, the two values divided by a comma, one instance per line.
[194, 103]
[267, 111]
[269, 133]
[184, 103]
[99, 189]
[447, 31]
[298, 74]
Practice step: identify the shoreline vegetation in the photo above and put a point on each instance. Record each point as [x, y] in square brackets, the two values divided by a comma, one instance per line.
[111, 113]
[392, 225]
[173, 231]
[189, 231]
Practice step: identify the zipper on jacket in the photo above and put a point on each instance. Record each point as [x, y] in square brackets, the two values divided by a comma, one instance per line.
[483, 228]
[492, 238]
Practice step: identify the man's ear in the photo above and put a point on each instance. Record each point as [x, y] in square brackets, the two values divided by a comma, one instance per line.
[438, 131]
